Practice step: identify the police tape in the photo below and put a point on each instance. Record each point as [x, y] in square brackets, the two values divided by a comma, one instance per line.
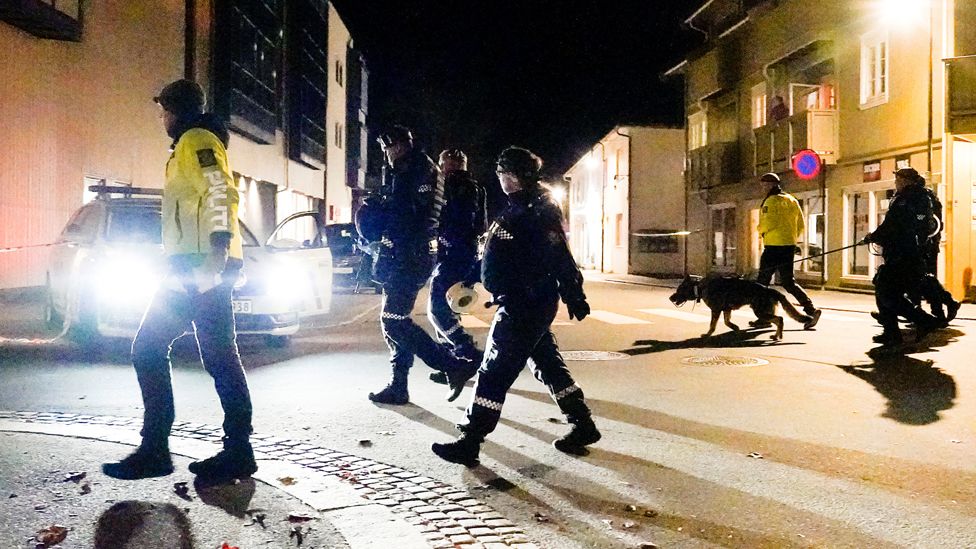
[18, 248]
[675, 233]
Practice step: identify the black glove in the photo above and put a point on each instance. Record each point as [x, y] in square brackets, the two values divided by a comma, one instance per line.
[578, 309]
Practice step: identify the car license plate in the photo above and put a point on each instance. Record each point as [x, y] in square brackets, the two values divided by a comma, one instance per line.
[242, 306]
[342, 270]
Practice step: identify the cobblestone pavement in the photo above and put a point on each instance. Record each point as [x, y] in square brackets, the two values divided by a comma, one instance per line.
[443, 515]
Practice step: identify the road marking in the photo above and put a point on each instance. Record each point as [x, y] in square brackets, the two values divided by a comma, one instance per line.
[680, 315]
[614, 318]
[469, 321]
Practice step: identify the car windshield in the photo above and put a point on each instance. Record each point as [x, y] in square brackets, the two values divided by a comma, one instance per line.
[135, 224]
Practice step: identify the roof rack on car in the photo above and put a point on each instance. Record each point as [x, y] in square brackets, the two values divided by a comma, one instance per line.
[105, 190]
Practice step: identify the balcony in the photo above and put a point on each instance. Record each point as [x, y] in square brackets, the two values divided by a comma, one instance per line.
[713, 165]
[54, 20]
[776, 142]
[961, 116]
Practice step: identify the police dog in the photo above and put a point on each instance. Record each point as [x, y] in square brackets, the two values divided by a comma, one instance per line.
[724, 294]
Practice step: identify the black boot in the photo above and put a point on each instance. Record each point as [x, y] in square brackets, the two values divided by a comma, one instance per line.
[235, 461]
[463, 451]
[888, 337]
[583, 433]
[814, 315]
[395, 392]
[439, 378]
[149, 460]
[458, 376]
[952, 309]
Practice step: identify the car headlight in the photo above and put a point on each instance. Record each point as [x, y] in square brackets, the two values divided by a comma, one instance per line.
[126, 281]
[288, 283]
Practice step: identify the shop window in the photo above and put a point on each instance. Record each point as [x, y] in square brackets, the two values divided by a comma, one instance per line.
[864, 210]
[724, 237]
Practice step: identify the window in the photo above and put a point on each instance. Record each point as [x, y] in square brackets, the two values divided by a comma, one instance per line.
[697, 131]
[135, 224]
[759, 105]
[812, 240]
[307, 83]
[340, 78]
[863, 212]
[874, 69]
[723, 237]
[337, 139]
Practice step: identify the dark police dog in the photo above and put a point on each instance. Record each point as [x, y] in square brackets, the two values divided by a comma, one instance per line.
[724, 294]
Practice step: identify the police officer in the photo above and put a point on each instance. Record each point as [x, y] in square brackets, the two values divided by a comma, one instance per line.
[941, 302]
[202, 242]
[780, 225]
[410, 202]
[900, 237]
[462, 223]
[527, 266]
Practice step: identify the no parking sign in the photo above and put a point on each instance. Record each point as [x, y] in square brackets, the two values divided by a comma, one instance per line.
[807, 164]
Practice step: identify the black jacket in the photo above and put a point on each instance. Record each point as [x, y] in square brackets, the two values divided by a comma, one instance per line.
[526, 255]
[906, 229]
[463, 217]
[413, 198]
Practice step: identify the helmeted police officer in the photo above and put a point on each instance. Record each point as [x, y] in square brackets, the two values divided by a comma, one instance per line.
[462, 223]
[901, 236]
[410, 202]
[944, 307]
[527, 266]
[202, 242]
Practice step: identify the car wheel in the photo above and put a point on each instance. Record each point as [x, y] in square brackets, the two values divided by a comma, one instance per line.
[277, 341]
[52, 318]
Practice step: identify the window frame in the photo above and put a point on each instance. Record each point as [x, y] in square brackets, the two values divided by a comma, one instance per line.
[730, 259]
[804, 245]
[697, 130]
[875, 52]
[876, 190]
[759, 112]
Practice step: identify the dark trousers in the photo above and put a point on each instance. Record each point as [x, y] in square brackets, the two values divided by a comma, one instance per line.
[779, 259]
[403, 336]
[447, 323]
[893, 283]
[210, 315]
[519, 332]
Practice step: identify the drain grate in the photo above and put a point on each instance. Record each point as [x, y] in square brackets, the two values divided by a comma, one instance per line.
[720, 360]
[593, 355]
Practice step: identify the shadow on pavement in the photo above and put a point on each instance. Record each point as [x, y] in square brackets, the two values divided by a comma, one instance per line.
[233, 497]
[143, 525]
[916, 389]
[741, 338]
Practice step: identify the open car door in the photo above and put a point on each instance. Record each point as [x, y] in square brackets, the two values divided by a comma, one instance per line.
[300, 243]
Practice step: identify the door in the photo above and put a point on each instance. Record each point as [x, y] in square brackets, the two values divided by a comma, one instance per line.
[299, 242]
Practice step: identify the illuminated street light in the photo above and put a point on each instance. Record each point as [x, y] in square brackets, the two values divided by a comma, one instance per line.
[902, 13]
[558, 193]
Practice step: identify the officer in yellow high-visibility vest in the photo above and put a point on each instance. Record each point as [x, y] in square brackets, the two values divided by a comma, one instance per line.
[780, 225]
[202, 243]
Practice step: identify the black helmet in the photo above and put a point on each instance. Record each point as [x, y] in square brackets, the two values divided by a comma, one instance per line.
[182, 97]
[395, 134]
[452, 154]
[521, 162]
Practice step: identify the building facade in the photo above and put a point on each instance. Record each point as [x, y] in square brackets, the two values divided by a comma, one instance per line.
[626, 198]
[76, 102]
[863, 84]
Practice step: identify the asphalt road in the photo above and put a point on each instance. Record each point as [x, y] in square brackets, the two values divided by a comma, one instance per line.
[827, 443]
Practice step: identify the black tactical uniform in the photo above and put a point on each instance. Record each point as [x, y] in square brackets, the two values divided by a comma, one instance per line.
[943, 306]
[462, 223]
[527, 266]
[413, 196]
[904, 263]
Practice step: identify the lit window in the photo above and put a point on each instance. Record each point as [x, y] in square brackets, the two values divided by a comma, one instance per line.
[723, 236]
[863, 212]
[697, 131]
[812, 240]
[874, 69]
[759, 105]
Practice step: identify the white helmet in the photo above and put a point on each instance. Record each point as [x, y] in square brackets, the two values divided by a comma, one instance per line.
[463, 299]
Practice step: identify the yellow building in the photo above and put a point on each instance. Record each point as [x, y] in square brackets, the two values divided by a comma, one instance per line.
[75, 100]
[861, 83]
[626, 199]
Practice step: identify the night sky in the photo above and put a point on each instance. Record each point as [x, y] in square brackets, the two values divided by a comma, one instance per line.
[553, 76]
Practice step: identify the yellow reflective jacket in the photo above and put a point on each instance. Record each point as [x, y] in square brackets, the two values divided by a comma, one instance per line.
[199, 197]
[780, 220]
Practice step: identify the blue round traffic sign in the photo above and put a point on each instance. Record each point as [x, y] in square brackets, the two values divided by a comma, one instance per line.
[807, 164]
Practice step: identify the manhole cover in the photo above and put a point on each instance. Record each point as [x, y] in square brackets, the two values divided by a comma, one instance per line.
[719, 360]
[592, 355]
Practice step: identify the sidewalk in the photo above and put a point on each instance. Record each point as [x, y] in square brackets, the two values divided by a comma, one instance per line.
[833, 300]
[335, 499]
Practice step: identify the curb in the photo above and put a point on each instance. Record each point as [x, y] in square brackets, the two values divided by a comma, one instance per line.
[372, 505]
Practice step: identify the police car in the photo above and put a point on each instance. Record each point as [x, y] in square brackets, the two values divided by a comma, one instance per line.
[109, 259]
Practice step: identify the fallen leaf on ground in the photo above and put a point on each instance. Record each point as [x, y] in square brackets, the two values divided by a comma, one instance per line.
[629, 524]
[608, 522]
[650, 513]
[75, 476]
[287, 481]
[298, 534]
[539, 517]
[228, 546]
[297, 517]
[648, 545]
[182, 490]
[631, 508]
[755, 455]
[366, 442]
[40, 507]
[956, 441]
[85, 488]
[386, 433]
[52, 535]
[11, 496]
[556, 420]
